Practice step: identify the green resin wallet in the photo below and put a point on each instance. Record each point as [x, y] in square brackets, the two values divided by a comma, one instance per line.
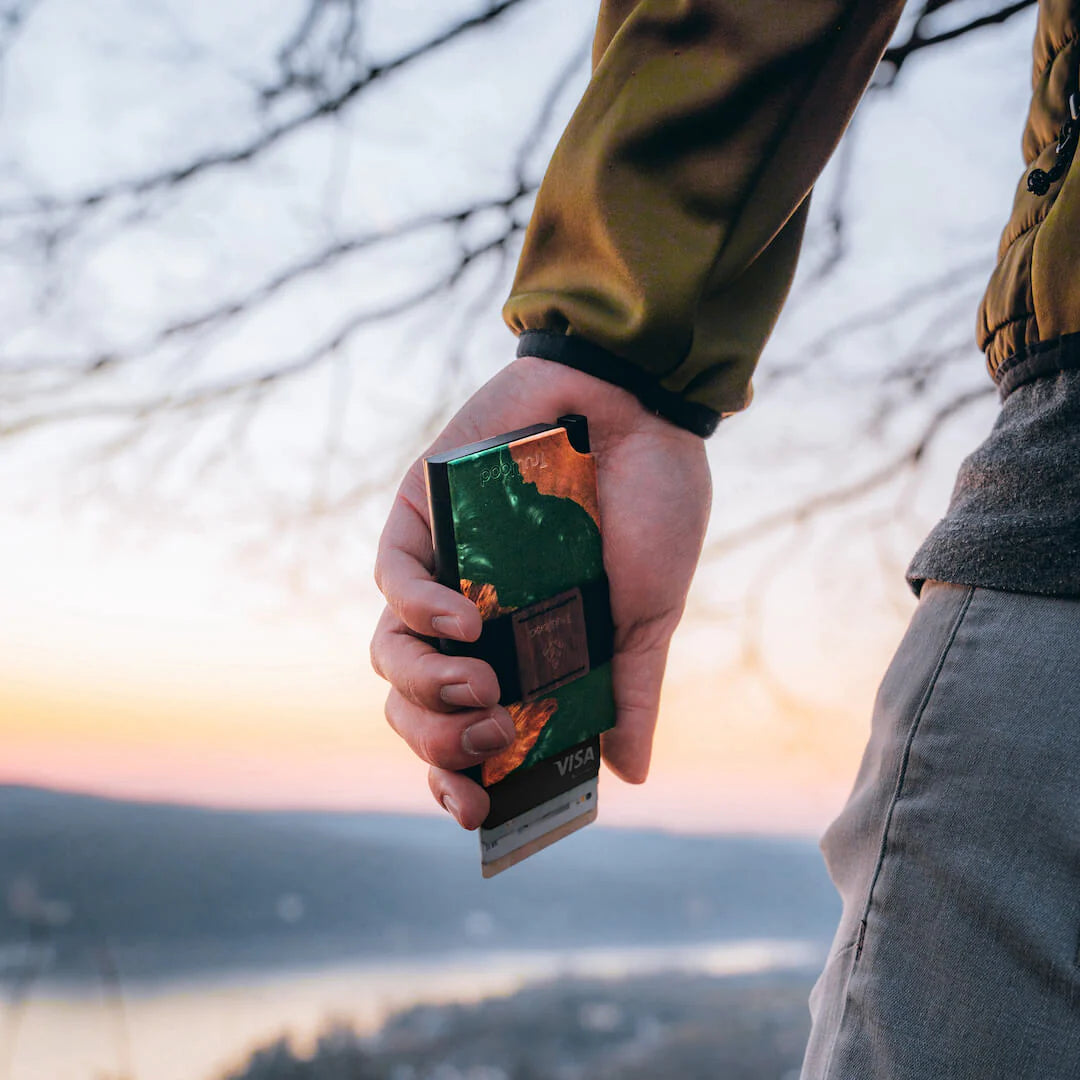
[516, 528]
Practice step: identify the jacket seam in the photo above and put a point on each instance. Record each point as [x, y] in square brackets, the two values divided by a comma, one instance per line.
[1055, 53]
[1025, 316]
[1031, 226]
[1022, 317]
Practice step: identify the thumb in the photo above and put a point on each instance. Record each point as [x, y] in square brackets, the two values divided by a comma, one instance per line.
[637, 676]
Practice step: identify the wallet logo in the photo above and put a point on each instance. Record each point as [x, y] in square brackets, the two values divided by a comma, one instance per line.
[507, 470]
[535, 460]
[553, 648]
[551, 643]
[553, 651]
[501, 470]
[577, 760]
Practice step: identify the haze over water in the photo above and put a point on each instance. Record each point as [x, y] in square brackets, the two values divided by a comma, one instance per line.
[193, 1029]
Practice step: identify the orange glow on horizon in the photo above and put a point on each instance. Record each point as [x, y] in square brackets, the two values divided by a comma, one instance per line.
[740, 767]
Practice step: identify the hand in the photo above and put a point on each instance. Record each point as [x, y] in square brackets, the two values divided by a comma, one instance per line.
[654, 494]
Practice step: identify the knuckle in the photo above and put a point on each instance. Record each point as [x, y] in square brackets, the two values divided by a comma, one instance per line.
[398, 715]
[406, 609]
[431, 672]
[436, 784]
[375, 659]
[412, 686]
[390, 712]
[427, 748]
[379, 571]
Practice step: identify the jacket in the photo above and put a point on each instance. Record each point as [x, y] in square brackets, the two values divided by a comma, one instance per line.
[666, 231]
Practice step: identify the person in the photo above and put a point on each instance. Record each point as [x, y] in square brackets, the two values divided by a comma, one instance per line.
[659, 252]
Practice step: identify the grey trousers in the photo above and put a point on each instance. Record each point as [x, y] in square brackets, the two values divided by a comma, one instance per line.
[958, 855]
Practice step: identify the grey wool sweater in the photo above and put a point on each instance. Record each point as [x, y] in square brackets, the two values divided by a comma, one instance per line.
[1014, 519]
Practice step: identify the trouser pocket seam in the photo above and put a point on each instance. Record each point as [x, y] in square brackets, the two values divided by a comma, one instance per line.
[860, 938]
[901, 775]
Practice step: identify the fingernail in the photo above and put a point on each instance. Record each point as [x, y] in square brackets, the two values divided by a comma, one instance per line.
[447, 626]
[485, 737]
[461, 694]
[450, 807]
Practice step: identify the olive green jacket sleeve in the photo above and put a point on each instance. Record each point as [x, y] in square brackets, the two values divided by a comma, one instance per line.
[667, 228]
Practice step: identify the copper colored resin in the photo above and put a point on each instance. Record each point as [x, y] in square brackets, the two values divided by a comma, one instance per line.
[529, 717]
[556, 468]
[484, 597]
[529, 720]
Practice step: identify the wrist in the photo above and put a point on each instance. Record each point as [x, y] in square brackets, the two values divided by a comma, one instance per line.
[585, 356]
[613, 411]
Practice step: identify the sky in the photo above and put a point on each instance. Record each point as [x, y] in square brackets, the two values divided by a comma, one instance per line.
[164, 636]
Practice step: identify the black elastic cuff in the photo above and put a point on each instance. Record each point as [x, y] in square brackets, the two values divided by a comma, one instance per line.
[583, 355]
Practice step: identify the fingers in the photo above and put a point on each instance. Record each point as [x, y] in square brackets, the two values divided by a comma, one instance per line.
[403, 572]
[467, 802]
[444, 707]
[450, 740]
[427, 677]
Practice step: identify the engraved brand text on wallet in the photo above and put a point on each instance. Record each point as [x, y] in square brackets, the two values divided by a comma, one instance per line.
[507, 469]
[557, 621]
[498, 471]
[536, 460]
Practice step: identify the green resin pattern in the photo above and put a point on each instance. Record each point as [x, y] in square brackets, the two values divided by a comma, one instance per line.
[529, 546]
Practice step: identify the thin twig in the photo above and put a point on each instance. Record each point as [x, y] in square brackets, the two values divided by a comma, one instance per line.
[241, 154]
[846, 494]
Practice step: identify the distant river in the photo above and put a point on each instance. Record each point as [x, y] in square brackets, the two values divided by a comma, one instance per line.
[198, 1029]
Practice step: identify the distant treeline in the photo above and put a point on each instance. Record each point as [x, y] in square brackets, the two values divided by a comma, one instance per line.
[173, 889]
[690, 1027]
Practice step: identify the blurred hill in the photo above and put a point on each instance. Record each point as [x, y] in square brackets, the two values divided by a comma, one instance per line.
[691, 1027]
[180, 889]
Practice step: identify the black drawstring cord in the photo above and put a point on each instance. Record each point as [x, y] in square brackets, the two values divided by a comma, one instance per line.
[1039, 180]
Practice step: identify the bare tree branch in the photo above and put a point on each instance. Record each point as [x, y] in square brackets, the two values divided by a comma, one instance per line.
[247, 151]
[319, 71]
[846, 494]
[935, 289]
[918, 40]
[224, 311]
[546, 110]
[258, 382]
[309, 62]
[13, 17]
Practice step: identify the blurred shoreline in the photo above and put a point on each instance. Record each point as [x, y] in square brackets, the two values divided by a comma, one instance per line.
[234, 1012]
[170, 942]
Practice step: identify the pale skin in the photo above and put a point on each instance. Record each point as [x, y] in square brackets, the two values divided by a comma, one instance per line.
[654, 492]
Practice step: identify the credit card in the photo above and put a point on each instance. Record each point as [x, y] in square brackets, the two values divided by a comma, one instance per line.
[517, 839]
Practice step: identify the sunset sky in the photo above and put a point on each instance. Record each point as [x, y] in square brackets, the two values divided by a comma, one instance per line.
[141, 681]
[161, 667]
[148, 657]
